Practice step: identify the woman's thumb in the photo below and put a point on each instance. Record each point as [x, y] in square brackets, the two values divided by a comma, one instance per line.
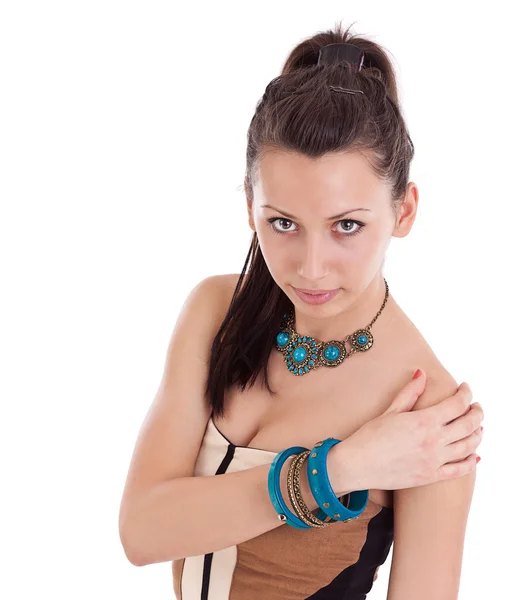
[407, 397]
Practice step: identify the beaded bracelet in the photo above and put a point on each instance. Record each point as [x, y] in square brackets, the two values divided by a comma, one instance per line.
[322, 490]
[295, 494]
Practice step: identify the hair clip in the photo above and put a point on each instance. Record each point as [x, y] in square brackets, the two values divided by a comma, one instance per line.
[334, 53]
[337, 88]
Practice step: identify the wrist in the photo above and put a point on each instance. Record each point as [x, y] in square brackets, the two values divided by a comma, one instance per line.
[342, 474]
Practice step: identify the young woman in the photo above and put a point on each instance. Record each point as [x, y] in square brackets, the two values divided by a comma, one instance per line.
[306, 344]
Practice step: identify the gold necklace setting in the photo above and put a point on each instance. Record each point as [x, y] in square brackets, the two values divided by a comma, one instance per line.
[303, 353]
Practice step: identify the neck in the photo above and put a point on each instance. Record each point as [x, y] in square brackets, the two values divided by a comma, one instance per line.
[346, 313]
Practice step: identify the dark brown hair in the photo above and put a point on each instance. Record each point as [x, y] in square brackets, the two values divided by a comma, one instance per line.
[299, 113]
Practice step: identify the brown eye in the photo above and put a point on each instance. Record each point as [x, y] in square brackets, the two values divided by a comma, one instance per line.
[284, 227]
[348, 226]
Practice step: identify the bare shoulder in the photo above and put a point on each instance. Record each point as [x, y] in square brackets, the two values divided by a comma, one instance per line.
[222, 287]
[227, 282]
[215, 288]
[418, 354]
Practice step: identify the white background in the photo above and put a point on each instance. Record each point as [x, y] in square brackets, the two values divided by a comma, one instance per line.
[123, 136]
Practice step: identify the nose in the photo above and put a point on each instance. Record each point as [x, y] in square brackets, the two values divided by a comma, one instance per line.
[313, 263]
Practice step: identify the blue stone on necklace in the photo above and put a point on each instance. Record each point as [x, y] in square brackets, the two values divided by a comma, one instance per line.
[362, 339]
[282, 338]
[299, 354]
[331, 353]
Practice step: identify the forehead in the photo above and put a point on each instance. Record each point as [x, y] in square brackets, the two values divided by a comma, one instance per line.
[338, 180]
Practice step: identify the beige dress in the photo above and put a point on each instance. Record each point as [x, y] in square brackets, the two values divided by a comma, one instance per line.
[338, 562]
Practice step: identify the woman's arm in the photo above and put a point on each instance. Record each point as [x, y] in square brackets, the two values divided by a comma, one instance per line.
[430, 523]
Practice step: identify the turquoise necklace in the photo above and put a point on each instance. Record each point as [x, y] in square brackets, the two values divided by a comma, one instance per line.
[303, 353]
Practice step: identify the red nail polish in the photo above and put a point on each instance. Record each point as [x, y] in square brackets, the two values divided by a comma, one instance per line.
[478, 458]
[417, 374]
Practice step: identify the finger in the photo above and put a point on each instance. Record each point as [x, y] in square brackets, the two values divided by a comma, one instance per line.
[457, 469]
[462, 448]
[453, 406]
[464, 425]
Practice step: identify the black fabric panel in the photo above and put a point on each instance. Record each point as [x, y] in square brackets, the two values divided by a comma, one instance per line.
[354, 582]
[207, 561]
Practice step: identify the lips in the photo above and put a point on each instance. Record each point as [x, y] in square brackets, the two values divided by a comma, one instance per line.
[314, 292]
[311, 297]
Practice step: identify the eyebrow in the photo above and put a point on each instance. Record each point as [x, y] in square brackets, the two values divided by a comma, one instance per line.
[286, 214]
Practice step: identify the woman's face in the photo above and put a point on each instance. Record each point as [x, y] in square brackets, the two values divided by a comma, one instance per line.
[324, 223]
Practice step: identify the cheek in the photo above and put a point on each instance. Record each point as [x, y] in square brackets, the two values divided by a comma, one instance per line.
[276, 252]
[366, 249]
[368, 254]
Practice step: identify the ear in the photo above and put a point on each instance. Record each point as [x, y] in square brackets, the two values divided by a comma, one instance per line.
[407, 211]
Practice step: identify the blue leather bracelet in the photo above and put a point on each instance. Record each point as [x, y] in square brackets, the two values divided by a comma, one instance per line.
[322, 490]
[275, 491]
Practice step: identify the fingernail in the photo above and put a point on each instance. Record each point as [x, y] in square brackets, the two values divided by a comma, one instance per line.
[478, 458]
[417, 374]
[481, 428]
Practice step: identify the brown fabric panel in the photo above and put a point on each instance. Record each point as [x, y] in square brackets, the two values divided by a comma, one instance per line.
[295, 563]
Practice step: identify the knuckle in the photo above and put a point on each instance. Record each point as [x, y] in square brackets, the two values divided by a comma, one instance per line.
[477, 439]
[467, 390]
[464, 403]
[425, 420]
[469, 427]
[476, 419]
[476, 406]
[465, 400]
